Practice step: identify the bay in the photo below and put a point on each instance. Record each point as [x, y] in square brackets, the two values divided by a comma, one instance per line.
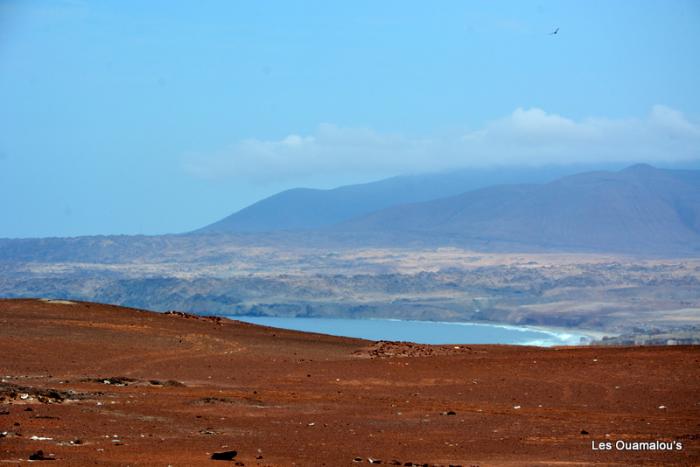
[425, 332]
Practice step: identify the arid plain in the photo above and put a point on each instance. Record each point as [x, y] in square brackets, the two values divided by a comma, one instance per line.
[88, 383]
[644, 299]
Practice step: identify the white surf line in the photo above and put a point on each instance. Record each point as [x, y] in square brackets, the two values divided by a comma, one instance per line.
[565, 335]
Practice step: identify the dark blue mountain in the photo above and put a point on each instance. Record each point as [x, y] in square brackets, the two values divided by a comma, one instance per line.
[640, 209]
[305, 208]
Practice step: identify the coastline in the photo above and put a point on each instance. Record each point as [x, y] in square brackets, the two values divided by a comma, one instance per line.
[558, 336]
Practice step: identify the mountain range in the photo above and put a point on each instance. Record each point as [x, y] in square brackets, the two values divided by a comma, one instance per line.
[307, 208]
[640, 209]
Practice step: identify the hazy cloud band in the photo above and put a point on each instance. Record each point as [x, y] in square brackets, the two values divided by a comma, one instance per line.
[526, 136]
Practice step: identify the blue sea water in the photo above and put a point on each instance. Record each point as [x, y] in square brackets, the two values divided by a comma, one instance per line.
[424, 332]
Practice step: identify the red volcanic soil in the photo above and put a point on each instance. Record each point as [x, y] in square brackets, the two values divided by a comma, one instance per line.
[87, 383]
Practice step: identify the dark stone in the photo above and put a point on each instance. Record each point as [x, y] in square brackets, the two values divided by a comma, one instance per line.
[173, 384]
[584, 432]
[54, 394]
[224, 455]
[40, 456]
[119, 380]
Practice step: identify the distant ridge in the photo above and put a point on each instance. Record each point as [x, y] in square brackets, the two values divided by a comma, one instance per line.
[638, 209]
[305, 208]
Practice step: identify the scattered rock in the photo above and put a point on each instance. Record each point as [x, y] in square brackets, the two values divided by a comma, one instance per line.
[116, 380]
[227, 400]
[12, 391]
[388, 349]
[180, 314]
[449, 412]
[357, 459]
[584, 432]
[214, 400]
[224, 455]
[374, 461]
[40, 456]
[169, 383]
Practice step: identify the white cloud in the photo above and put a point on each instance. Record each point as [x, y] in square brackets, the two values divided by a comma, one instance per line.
[526, 136]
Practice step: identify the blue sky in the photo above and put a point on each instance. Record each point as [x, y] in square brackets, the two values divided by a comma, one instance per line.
[162, 116]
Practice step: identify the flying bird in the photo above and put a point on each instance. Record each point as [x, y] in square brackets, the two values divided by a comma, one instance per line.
[554, 32]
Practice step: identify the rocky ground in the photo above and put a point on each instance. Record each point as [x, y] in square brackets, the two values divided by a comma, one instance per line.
[84, 383]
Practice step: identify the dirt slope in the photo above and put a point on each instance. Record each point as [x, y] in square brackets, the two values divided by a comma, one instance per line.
[114, 385]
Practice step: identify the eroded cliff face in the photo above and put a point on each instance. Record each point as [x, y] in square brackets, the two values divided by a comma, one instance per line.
[611, 293]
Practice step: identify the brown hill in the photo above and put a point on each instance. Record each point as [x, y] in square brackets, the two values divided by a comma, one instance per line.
[88, 383]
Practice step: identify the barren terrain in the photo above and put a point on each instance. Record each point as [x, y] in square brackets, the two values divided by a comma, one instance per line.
[88, 383]
[609, 293]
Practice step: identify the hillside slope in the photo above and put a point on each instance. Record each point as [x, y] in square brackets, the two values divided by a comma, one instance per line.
[306, 208]
[134, 387]
[640, 208]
